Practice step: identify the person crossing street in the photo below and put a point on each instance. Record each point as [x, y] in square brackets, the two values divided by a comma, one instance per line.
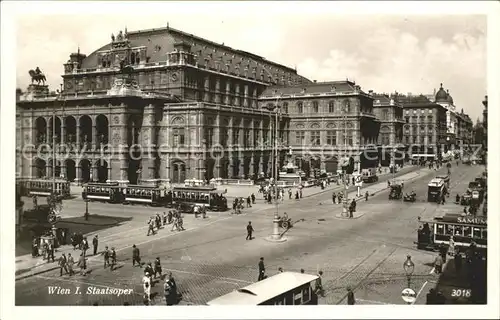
[136, 258]
[106, 257]
[95, 243]
[262, 269]
[249, 231]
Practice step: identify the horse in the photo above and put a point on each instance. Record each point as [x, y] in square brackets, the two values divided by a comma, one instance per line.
[38, 77]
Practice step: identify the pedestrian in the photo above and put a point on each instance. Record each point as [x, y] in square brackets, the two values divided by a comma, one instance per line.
[350, 297]
[157, 269]
[85, 246]
[136, 257]
[70, 264]
[366, 195]
[82, 263]
[431, 296]
[50, 252]
[353, 204]
[300, 193]
[166, 292]
[319, 284]
[62, 264]
[158, 221]
[289, 193]
[249, 202]
[438, 264]
[249, 231]
[262, 269]
[169, 217]
[296, 195]
[333, 197]
[196, 211]
[146, 283]
[173, 290]
[106, 257]
[113, 258]
[34, 248]
[150, 226]
[253, 198]
[351, 210]
[164, 218]
[95, 242]
[149, 270]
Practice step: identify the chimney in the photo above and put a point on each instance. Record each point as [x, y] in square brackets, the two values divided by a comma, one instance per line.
[370, 92]
[315, 81]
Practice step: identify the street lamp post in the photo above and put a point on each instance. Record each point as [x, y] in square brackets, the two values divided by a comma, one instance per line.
[276, 236]
[345, 212]
[409, 267]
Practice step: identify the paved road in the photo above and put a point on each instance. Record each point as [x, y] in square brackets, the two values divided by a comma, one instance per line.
[212, 257]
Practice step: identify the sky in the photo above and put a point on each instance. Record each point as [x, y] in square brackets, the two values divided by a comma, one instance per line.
[385, 53]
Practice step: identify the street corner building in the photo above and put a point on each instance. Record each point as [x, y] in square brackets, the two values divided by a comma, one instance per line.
[162, 106]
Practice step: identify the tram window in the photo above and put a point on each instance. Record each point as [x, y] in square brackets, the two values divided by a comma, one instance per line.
[278, 303]
[289, 300]
[306, 295]
[485, 235]
[297, 299]
[448, 229]
[467, 232]
[476, 233]
[439, 229]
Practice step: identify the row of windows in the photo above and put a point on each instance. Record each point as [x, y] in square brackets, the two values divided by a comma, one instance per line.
[314, 107]
[416, 118]
[415, 139]
[415, 111]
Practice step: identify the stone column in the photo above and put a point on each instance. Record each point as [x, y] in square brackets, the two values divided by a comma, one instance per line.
[253, 102]
[148, 142]
[231, 166]
[77, 134]
[217, 91]
[251, 170]
[206, 88]
[63, 128]
[228, 92]
[94, 138]
[323, 165]
[47, 135]
[217, 129]
[78, 173]
[261, 163]
[245, 96]
[201, 169]
[217, 173]
[241, 169]
[237, 95]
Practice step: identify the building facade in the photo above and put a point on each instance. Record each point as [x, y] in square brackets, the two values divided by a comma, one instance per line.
[326, 122]
[154, 105]
[390, 114]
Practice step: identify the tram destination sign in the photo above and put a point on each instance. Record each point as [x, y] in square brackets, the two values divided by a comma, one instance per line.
[471, 220]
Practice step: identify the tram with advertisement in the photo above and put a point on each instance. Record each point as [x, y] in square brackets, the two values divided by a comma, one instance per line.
[43, 187]
[108, 192]
[435, 190]
[463, 229]
[285, 288]
[208, 197]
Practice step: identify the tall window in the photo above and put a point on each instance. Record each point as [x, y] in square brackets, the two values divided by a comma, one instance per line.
[407, 139]
[223, 136]
[300, 107]
[178, 139]
[315, 107]
[430, 139]
[385, 114]
[256, 136]
[246, 140]
[299, 137]
[331, 107]
[209, 136]
[349, 139]
[315, 138]
[347, 106]
[236, 136]
[331, 138]
[285, 108]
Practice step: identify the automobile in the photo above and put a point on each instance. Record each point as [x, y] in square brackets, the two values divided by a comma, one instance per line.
[185, 207]
[40, 214]
[465, 199]
[412, 197]
[396, 192]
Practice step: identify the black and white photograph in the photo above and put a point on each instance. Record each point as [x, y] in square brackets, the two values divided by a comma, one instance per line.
[219, 154]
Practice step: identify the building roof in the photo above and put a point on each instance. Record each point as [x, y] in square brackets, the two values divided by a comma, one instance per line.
[161, 41]
[383, 99]
[264, 290]
[441, 95]
[344, 86]
[410, 100]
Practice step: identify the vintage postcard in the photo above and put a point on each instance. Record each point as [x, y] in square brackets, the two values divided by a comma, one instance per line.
[251, 153]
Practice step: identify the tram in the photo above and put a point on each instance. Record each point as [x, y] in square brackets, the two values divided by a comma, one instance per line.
[149, 195]
[285, 288]
[463, 229]
[43, 187]
[446, 180]
[108, 192]
[435, 190]
[208, 197]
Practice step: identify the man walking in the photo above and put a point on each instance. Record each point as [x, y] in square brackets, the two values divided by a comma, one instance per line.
[253, 198]
[157, 269]
[136, 256]
[249, 202]
[62, 264]
[95, 242]
[366, 196]
[249, 230]
[334, 195]
[262, 269]
[106, 257]
[350, 297]
[50, 252]
[82, 264]
[70, 264]
[113, 258]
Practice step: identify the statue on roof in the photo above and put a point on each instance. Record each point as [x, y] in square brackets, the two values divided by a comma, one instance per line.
[119, 37]
[126, 34]
[37, 75]
[112, 37]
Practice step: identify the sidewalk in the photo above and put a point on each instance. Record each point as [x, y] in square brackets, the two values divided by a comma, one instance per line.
[234, 191]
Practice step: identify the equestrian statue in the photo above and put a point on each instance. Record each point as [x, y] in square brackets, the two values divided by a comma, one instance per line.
[38, 76]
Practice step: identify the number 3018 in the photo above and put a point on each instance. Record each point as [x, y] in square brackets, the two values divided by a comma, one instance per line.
[466, 293]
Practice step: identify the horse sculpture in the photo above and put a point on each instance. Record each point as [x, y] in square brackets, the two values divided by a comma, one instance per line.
[38, 77]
